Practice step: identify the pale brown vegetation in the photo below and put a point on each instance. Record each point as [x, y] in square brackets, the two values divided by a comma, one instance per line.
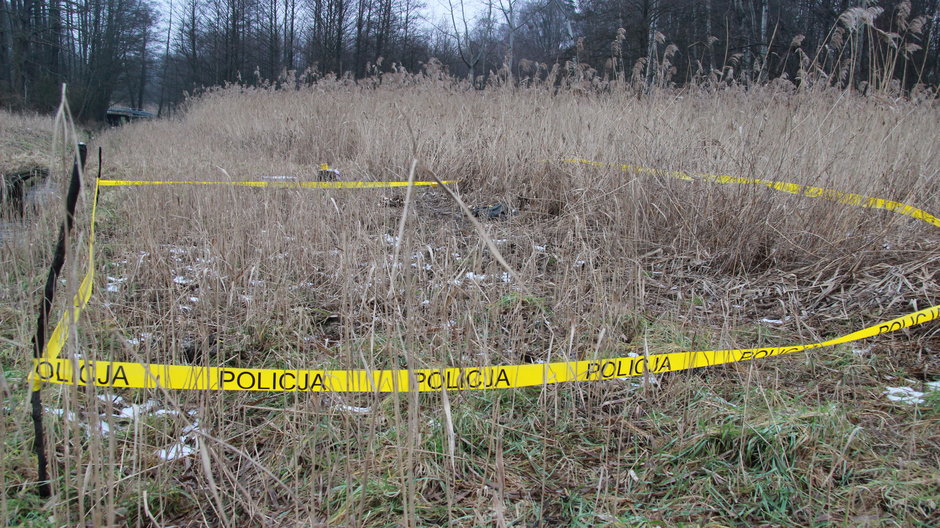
[608, 263]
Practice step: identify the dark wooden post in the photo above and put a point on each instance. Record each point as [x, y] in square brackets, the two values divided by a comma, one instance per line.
[39, 339]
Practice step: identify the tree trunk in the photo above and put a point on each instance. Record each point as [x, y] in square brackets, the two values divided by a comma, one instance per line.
[6, 44]
[708, 35]
[764, 45]
[290, 16]
[363, 12]
[143, 68]
[652, 29]
[932, 72]
[166, 62]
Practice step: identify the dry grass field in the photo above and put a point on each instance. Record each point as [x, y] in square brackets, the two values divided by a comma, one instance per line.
[605, 263]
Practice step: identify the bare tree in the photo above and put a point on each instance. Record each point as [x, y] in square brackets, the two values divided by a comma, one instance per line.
[470, 50]
[290, 23]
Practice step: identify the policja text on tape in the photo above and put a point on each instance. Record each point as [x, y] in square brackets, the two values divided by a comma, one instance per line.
[53, 369]
[140, 375]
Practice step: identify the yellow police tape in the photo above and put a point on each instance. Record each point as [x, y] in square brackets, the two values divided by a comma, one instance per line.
[57, 339]
[61, 332]
[53, 369]
[859, 200]
[277, 184]
[140, 376]
[324, 167]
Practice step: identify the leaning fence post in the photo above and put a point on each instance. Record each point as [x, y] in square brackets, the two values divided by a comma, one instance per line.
[39, 339]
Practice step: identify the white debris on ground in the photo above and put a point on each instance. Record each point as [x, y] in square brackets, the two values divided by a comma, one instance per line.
[904, 395]
[468, 276]
[910, 396]
[189, 271]
[184, 447]
[353, 409]
[114, 284]
[141, 338]
[178, 450]
[135, 411]
[481, 278]
[653, 381]
[775, 321]
[124, 415]
[70, 416]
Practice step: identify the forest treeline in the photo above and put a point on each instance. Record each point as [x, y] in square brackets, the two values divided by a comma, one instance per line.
[144, 53]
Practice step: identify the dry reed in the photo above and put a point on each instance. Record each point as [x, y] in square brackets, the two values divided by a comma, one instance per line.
[606, 263]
